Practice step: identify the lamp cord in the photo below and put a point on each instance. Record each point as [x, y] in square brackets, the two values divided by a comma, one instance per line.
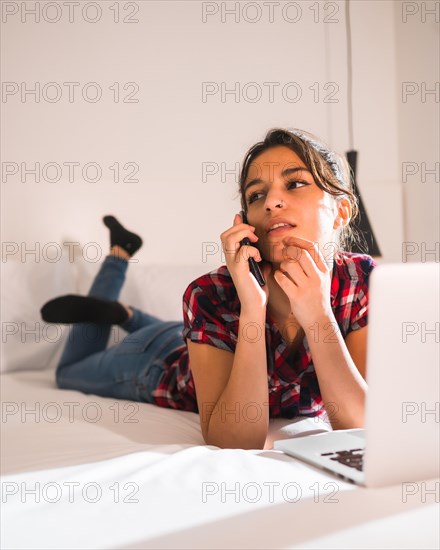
[349, 76]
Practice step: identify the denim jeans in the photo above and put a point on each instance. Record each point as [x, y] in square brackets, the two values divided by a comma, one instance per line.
[129, 370]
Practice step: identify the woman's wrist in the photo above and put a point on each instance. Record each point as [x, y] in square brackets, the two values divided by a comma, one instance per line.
[323, 323]
[255, 311]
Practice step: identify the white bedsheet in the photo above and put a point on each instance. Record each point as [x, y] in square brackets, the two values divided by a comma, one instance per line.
[140, 476]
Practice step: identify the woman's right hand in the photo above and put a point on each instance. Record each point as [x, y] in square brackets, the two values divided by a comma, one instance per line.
[251, 295]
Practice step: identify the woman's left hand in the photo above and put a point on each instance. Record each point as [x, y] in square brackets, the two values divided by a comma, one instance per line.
[307, 281]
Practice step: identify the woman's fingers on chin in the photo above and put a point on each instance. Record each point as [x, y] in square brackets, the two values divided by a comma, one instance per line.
[299, 241]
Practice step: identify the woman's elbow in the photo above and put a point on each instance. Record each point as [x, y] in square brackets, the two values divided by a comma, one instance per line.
[232, 443]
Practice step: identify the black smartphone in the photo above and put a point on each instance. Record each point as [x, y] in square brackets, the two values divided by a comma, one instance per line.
[253, 266]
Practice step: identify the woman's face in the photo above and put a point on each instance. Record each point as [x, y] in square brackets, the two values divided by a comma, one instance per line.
[276, 175]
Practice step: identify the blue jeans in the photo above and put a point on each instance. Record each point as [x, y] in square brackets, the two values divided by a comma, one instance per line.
[129, 370]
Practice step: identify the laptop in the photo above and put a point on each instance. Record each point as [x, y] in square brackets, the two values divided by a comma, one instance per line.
[401, 438]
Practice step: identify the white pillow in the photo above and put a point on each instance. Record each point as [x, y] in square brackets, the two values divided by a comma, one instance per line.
[155, 289]
[28, 343]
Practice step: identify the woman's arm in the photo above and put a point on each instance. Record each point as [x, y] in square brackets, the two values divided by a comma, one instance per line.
[232, 389]
[306, 279]
[343, 390]
[240, 418]
[356, 342]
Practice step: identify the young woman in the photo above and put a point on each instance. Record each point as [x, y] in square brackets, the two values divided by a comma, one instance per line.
[244, 352]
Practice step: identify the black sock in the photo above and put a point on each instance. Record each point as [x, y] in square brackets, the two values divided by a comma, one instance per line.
[130, 242]
[83, 309]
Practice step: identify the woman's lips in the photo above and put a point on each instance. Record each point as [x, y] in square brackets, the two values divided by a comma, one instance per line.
[281, 229]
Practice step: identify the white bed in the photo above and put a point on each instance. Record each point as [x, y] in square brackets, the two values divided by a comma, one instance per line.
[82, 471]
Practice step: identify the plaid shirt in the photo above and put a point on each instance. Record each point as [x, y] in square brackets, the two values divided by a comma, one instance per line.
[211, 311]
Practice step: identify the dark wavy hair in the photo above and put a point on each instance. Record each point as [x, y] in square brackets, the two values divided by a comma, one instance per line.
[330, 171]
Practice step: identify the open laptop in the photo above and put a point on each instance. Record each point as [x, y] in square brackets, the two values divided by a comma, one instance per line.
[401, 439]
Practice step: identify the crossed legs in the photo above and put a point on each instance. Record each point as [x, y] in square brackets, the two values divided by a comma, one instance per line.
[128, 370]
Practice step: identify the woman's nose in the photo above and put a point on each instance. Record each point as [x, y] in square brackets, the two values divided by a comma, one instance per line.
[274, 200]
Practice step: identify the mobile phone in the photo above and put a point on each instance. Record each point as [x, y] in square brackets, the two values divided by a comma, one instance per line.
[253, 266]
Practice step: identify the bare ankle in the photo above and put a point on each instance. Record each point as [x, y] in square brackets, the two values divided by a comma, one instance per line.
[119, 252]
[128, 310]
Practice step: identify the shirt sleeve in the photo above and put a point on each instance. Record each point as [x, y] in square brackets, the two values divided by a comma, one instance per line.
[359, 313]
[203, 317]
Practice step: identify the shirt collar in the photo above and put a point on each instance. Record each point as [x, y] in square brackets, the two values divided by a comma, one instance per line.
[337, 262]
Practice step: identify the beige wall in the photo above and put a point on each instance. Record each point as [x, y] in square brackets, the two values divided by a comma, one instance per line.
[170, 133]
[418, 85]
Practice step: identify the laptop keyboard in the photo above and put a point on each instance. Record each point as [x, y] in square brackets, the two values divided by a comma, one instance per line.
[352, 458]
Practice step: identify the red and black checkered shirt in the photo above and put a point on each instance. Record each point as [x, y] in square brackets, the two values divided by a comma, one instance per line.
[211, 311]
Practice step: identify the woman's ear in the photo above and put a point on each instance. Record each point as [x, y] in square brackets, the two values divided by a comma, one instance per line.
[344, 214]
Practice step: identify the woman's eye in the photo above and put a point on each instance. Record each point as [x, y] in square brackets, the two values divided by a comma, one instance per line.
[298, 182]
[290, 184]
